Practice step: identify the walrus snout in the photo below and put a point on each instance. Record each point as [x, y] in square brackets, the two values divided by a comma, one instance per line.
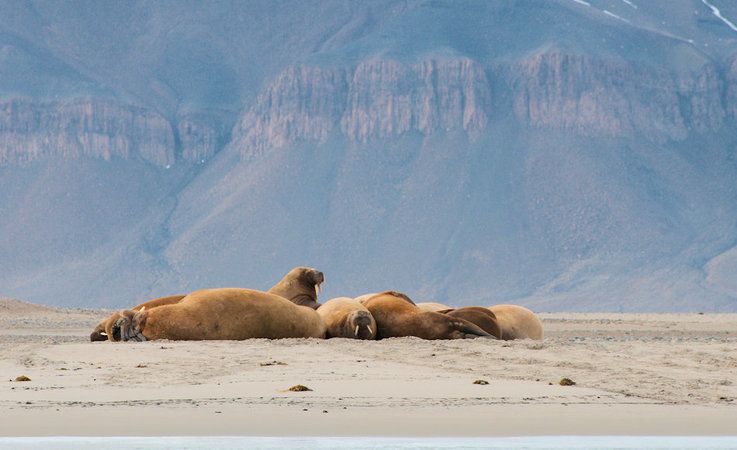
[362, 322]
[317, 278]
[97, 336]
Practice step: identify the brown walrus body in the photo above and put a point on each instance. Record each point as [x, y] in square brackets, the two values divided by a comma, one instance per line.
[227, 314]
[433, 306]
[300, 286]
[482, 317]
[344, 317]
[362, 298]
[517, 322]
[396, 317]
[103, 329]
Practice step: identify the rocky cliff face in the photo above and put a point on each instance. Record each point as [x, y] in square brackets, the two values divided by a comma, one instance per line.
[387, 99]
[302, 103]
[199, 137]
[376, 99]
[551, 90]
[731, 91]
[32, 130]
[614, 98]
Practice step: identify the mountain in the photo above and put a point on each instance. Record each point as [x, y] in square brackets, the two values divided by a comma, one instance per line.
[565, 155]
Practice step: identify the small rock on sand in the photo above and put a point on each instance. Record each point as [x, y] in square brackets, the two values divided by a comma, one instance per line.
[299, 388]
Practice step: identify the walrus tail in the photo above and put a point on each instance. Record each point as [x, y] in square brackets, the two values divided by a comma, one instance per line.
[129, 327]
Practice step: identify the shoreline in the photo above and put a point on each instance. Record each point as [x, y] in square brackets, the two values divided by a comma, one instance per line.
[471, 422]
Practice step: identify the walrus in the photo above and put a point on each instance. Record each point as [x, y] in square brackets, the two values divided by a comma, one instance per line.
[482, 317]
[221, 314]
[396, 317]
[300, 286]
[104, 329]
[432, 306]
[517, 322]
[344, 317]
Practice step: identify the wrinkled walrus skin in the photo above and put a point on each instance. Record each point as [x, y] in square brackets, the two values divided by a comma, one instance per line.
[346, 318]
[103, 330]
[517, 322]
[397, 317]
[222, 314]
[300, 286]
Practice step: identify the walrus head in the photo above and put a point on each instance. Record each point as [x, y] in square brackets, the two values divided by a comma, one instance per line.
[99, 333]
[301, 286]
[363, 325]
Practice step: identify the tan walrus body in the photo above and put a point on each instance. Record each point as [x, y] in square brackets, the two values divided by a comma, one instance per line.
[482, 317]
[227, 314]
[433, 306]
[300, 286]
[397, 317]
[103, 329]
[362, 299]
[346, 318]
[517, 322]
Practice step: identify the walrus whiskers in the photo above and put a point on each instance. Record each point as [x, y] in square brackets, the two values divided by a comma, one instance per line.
[346, 318]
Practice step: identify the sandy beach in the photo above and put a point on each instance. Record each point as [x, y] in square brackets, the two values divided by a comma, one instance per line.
[635, 374]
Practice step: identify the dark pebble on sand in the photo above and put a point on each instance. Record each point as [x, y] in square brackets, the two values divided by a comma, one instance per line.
[480, 382]
[22, 378]
[566, 382]
[299, 388]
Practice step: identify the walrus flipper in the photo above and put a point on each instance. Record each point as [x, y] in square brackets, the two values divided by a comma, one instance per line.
[470, 330]
[128, 328]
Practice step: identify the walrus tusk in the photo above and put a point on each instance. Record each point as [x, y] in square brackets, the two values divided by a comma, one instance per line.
[102, 333]
[356, 332]
[370, 330]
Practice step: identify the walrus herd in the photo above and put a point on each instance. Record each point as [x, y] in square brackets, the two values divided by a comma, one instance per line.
[290, 310]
